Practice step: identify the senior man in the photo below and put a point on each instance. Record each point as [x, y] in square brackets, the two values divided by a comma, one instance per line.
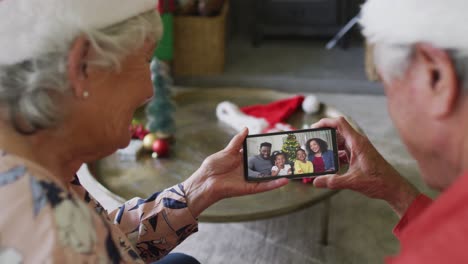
[421, 53]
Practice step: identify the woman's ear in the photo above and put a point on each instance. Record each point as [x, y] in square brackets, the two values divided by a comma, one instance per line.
[77, 67]
[441, 78]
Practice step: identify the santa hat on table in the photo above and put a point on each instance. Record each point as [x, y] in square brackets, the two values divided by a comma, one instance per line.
[29, 28]
[271, 117]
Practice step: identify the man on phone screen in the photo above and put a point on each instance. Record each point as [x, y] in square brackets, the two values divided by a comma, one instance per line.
[260, 165]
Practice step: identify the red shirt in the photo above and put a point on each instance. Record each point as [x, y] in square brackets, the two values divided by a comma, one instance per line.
[435, 232]
[319, 165]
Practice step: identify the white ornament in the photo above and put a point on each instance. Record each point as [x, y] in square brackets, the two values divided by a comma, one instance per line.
[311, 104]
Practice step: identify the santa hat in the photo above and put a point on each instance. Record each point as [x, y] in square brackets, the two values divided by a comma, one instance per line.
[441, 23]
[271, 117]
[32, 27]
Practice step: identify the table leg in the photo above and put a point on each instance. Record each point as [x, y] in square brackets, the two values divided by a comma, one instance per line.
[325, 222]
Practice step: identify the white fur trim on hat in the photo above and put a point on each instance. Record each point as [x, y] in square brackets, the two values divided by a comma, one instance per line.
[31, 27]
[230, 114]
[311, 104]
[440, 23]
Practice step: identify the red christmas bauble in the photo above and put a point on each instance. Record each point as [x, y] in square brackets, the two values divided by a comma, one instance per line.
[138, 131]
[161, 147]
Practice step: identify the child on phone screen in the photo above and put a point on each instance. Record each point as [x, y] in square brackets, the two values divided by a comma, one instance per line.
[280, 168]
[302, 165]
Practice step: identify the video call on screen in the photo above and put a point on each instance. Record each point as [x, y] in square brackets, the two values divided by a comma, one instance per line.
[293, 154]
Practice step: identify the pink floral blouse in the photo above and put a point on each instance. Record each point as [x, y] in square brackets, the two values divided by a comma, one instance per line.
[43, 221]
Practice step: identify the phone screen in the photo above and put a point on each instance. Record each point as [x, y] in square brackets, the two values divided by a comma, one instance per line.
[291, 154]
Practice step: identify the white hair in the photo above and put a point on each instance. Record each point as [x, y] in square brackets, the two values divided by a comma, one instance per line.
[393, 60]
[28, 90]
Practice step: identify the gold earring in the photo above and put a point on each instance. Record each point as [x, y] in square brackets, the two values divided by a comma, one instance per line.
[85, 94]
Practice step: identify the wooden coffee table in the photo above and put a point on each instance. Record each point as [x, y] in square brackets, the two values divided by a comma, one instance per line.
[200, 134]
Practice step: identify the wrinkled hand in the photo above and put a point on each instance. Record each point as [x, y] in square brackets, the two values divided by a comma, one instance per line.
[369, 173]
[221, 175]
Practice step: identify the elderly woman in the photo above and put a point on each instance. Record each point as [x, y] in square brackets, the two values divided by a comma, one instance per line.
[72, 73]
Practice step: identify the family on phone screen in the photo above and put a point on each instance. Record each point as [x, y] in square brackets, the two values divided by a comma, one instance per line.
[315, 158]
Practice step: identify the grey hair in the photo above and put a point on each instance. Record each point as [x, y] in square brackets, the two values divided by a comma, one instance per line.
[393, 61]
[30, 90]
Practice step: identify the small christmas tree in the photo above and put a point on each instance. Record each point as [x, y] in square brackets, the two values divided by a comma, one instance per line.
[159, 111]
[290, 145]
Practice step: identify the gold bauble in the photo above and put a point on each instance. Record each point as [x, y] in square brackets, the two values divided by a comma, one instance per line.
[148, 141]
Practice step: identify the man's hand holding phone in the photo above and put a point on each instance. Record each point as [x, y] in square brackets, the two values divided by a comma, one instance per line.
[369, 173]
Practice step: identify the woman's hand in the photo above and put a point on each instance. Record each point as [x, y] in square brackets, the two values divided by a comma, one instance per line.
[369, 173]
[220, 176]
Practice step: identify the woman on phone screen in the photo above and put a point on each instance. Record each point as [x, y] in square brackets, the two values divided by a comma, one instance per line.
[319, 154]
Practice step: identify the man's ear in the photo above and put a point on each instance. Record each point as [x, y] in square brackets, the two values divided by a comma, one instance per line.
[441, 77]
[77, 67]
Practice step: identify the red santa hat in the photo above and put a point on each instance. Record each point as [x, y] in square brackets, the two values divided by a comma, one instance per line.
[32, 27]
[265, 118]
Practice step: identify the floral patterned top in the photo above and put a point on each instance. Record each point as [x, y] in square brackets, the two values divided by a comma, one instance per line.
[43, 221]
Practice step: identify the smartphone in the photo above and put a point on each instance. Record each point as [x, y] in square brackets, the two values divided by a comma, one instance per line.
[291, 154]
